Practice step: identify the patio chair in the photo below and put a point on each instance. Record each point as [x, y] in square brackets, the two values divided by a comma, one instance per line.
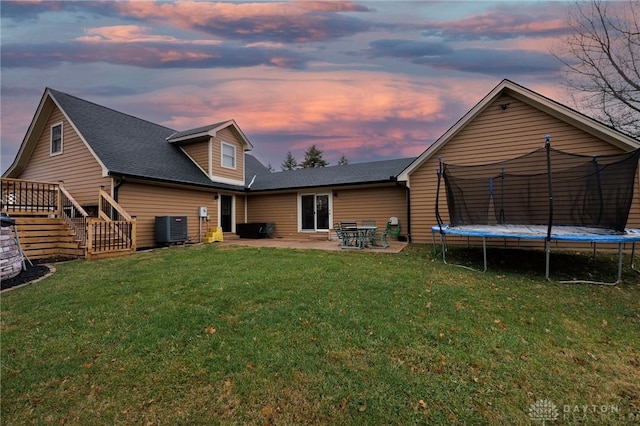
[393, 227]
[377, 241]
[339, 233]
[349, 232]
[343, 236]
[371, 235]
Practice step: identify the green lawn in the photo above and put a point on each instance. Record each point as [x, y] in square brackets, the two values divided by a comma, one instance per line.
[213, 334]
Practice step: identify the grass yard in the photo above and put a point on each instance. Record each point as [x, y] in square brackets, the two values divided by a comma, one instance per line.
[214, 334]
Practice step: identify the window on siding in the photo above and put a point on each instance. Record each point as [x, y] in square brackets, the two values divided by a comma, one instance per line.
[228, 156]
[56, 139]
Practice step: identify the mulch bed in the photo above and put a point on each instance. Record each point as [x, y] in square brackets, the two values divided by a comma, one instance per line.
[33, 272]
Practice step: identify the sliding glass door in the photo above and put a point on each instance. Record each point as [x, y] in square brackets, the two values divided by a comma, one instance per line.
[315, 212]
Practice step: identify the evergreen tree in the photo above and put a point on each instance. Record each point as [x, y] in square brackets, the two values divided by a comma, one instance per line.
[313, 158]
[343, 160]
[290, 162]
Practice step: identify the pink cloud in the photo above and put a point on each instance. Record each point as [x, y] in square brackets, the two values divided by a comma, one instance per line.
[298, 21]
[507, 22]
[132, 34]
[359, 114]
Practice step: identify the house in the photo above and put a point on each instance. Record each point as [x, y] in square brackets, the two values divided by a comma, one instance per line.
[149, 170]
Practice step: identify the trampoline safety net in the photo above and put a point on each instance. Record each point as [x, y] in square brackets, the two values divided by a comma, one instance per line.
[544, 187]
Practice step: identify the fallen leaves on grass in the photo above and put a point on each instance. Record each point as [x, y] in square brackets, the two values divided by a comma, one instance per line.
[422, 406]
[345, 402]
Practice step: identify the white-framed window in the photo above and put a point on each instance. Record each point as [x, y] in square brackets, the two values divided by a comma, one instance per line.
[56, 139]
[228, 156]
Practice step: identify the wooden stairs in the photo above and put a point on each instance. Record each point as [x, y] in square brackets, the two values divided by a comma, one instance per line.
[43, 237]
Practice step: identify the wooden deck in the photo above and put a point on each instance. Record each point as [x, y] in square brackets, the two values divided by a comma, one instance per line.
[51, 224]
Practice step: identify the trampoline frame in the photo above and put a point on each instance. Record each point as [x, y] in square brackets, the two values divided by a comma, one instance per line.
[540, 233]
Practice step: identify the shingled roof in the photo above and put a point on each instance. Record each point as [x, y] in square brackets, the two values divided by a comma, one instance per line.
[347, 174]
[131, 146]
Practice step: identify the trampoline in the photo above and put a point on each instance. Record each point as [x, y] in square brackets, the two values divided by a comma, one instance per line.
[546, 195]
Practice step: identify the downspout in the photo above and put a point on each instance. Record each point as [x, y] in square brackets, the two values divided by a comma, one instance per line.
[116, 187]
[408, 190]
[408, 197]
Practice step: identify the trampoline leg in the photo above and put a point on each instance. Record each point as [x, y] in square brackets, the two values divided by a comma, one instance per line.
[484, 252]
[633, 257]
[547, 250]
[619, 263]
[443, 241]
[619, 277]
[433, 240]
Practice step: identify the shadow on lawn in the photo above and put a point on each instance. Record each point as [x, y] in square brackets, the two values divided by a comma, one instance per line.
[563, 265]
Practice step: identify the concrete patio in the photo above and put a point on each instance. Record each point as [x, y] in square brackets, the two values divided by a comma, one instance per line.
[314, 244]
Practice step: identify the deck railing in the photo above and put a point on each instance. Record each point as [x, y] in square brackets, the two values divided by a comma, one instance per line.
[108, 208]
[74, 215]
[36, 198]
[110, 236]
[114, 232]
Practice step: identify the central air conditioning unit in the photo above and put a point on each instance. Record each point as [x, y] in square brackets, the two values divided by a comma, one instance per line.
[171, 229]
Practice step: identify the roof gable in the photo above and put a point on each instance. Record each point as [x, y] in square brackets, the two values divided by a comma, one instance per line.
[211, 130]
[536, 100]
[122, 144]
[27, 147]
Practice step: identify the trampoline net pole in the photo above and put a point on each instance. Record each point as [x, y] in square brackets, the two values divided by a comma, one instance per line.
[547, 146]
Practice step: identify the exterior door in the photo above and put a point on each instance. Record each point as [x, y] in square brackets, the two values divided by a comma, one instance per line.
[226, 213]
[315, 212]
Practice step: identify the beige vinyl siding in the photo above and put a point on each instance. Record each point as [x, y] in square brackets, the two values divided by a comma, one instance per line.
[199, 152]
[280, 209]
[378, 204]
[374, 203]
[148, 201]
[76, 166]
[240, 209]
[229, 137]
[496, 135]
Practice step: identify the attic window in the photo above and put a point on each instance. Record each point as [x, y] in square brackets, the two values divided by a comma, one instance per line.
[228, 156]
[56, 139]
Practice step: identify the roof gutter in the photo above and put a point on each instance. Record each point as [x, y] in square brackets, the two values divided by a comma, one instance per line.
[225, 187]
[392, 179]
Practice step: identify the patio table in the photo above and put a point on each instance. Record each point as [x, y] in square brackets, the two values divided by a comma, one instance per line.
[362, 234]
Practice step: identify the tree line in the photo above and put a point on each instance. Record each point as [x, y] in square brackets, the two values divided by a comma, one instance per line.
[312, 158]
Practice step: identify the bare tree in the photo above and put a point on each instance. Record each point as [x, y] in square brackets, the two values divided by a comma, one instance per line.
[602, 62]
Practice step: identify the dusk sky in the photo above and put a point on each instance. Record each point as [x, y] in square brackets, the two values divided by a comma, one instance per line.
[366, 79]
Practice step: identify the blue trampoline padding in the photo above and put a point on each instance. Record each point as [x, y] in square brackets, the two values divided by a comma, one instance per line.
[539, 232]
